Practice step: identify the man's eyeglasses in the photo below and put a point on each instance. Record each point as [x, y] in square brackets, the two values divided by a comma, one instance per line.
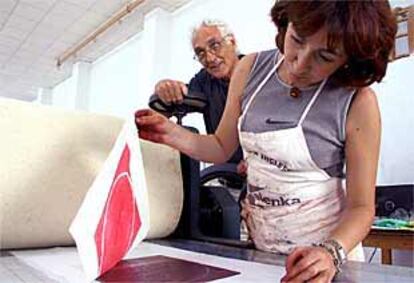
[213, 47]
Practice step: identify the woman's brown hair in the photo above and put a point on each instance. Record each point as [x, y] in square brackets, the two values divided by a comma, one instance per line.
[365, 28]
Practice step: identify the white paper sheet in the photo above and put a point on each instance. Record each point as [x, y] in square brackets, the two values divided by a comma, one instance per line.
[63, 265]
[114, 216]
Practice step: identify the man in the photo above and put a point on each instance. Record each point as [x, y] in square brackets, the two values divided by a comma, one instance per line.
[215, 48]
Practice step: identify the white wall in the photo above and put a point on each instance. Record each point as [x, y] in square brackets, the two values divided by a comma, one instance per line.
[64, 94]
[115, 80]
[396, 99]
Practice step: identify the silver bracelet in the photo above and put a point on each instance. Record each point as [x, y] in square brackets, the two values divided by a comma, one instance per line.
[336, 251]
[339, 250]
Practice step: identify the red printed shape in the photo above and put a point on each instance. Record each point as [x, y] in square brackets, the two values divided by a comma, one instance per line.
[120, 220]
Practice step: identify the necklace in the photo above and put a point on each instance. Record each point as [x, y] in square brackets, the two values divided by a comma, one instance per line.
[294, 92]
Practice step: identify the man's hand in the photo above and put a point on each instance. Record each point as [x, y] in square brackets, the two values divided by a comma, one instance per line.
[309, 264]
[170, 91]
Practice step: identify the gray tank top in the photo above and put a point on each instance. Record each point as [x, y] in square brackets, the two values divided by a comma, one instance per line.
[274, 109]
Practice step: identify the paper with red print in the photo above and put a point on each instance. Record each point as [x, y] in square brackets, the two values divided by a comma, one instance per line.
[114, 216]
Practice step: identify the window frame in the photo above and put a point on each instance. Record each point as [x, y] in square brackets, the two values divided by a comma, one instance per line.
[405, 14]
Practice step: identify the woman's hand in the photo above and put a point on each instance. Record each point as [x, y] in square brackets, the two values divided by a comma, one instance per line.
[154, 127]
[309, 264]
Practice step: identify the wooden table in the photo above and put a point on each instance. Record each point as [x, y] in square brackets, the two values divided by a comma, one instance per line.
[387, 240]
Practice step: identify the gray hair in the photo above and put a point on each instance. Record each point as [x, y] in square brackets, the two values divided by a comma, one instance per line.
[223, 28]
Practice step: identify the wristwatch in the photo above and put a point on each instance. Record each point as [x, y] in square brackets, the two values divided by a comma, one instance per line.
[337, 252]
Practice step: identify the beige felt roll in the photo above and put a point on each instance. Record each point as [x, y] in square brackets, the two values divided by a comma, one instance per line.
[165, 188]
[49, 158]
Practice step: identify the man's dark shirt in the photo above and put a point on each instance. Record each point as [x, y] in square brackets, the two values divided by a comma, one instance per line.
[215, 92]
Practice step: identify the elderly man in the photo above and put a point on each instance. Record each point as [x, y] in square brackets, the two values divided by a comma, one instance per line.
[215, 48]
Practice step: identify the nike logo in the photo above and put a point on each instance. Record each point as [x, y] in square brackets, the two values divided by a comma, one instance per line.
[271, 121]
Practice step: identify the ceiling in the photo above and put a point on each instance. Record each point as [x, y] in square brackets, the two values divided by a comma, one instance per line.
[34, 33]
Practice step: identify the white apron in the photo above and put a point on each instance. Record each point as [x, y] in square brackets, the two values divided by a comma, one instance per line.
[290, 200]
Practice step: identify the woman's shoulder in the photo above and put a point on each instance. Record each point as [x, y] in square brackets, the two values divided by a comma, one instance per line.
[245, 65]
[254, 61]
[264, 55]
[365, 97]
[247, 61]
[241, 73]
[364, 110]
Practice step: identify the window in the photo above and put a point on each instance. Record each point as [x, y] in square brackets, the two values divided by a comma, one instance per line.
[404, 41]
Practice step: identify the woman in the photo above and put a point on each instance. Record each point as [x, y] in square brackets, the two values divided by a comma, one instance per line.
[302, 113]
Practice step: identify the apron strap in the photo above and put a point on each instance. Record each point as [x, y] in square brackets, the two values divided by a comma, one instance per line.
[259, 88]
[308, 107]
